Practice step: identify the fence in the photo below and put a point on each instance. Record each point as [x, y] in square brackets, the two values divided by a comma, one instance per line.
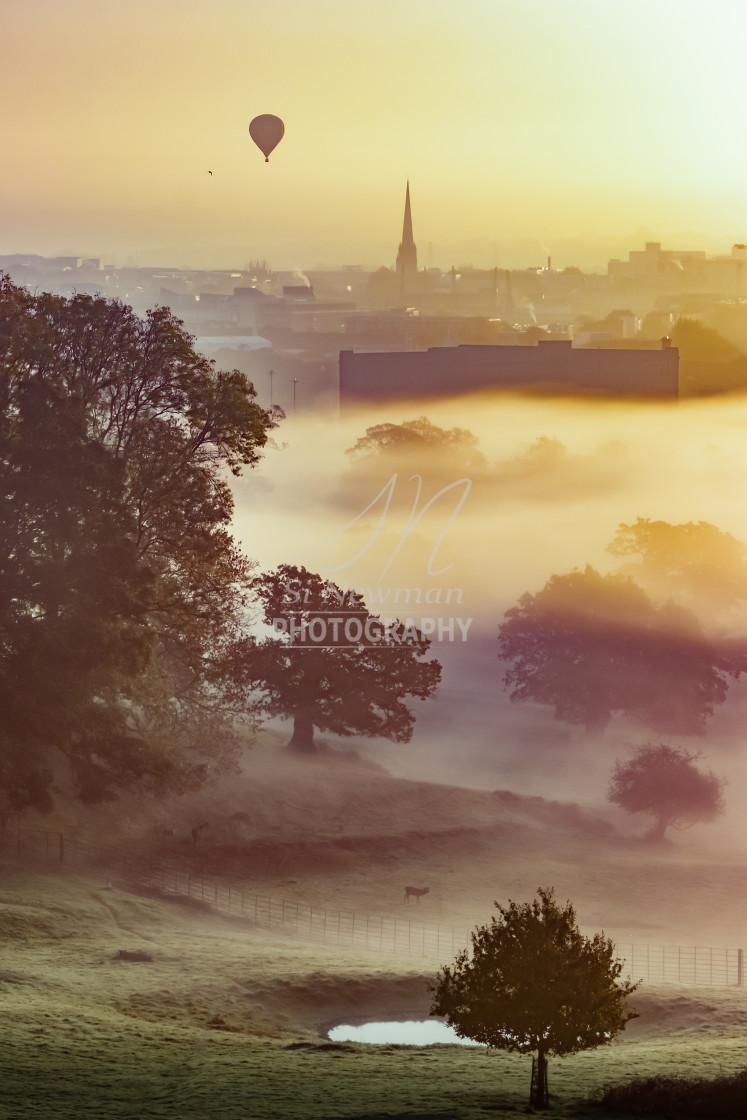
[691, 965]
[338, 927]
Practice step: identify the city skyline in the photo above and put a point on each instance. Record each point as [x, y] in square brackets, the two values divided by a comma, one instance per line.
[579, 130]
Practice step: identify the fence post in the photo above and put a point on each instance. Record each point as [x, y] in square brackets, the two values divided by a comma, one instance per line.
[326, 918]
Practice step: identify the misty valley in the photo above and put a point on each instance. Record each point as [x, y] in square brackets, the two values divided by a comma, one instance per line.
[373, 561]
[297, 702]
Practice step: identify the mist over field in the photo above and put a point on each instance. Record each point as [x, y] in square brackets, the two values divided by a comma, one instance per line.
[202, 225]
[203, 940]
[543, 491]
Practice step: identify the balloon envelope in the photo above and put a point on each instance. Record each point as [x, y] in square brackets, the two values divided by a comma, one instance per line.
[266, 131]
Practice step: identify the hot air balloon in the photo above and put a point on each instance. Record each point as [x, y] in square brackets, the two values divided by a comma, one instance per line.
[266, 131]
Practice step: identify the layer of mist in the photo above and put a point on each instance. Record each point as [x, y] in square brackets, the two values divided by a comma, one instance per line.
[460, 531]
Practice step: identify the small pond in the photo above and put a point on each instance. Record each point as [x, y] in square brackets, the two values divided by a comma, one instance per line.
[402, 1034]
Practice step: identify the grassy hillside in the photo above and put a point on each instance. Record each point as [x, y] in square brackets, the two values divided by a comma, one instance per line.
[337, 831]
[228, 1020]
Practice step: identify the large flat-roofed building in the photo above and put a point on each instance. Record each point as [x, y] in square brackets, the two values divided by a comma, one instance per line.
[551, 366]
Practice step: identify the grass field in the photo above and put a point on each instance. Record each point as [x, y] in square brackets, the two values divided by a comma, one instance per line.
[229, 1020]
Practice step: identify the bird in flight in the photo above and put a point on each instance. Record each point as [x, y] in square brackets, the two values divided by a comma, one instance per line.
[210, 173]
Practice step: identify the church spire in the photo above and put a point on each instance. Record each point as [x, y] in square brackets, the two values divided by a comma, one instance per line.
[407, 257]
[407, 240]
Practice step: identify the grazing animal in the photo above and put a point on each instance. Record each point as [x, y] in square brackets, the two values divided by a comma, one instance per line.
[161, 830]
[197, 830]
[416, 892]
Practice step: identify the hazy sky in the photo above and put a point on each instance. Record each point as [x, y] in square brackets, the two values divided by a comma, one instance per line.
[550, 122]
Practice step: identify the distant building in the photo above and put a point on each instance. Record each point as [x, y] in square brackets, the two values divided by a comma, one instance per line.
[553, 366]
[656, 271]
[654, 263]
[407, 255]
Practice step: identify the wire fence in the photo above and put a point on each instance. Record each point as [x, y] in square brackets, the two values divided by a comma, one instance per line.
[668, 964]
[688, 965]
[399, 936]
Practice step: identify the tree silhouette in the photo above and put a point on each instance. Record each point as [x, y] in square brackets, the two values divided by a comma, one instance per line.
[695, 562]
[665, 782]
[121, 587]
[697, 342]
[418, 437]
[332, 665]
[710, 363]
[534, 984]
[592, 646]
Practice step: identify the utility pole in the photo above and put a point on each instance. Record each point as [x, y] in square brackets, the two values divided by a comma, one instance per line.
[295, 382]
[271, 400]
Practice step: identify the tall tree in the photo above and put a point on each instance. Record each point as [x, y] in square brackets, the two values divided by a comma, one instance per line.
[331, 665]
[122, 587]
[665, 782]
[592, 646]
[534, 984]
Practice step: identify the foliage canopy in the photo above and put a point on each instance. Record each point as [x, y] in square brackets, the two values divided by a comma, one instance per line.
[666, 782]
[535, 984]
[343, 686]
[592, 646]
[419, 436]
[694, 562]
[121, 585]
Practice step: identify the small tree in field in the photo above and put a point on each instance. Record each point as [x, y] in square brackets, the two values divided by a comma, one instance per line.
[665, 782]
[535, 984]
